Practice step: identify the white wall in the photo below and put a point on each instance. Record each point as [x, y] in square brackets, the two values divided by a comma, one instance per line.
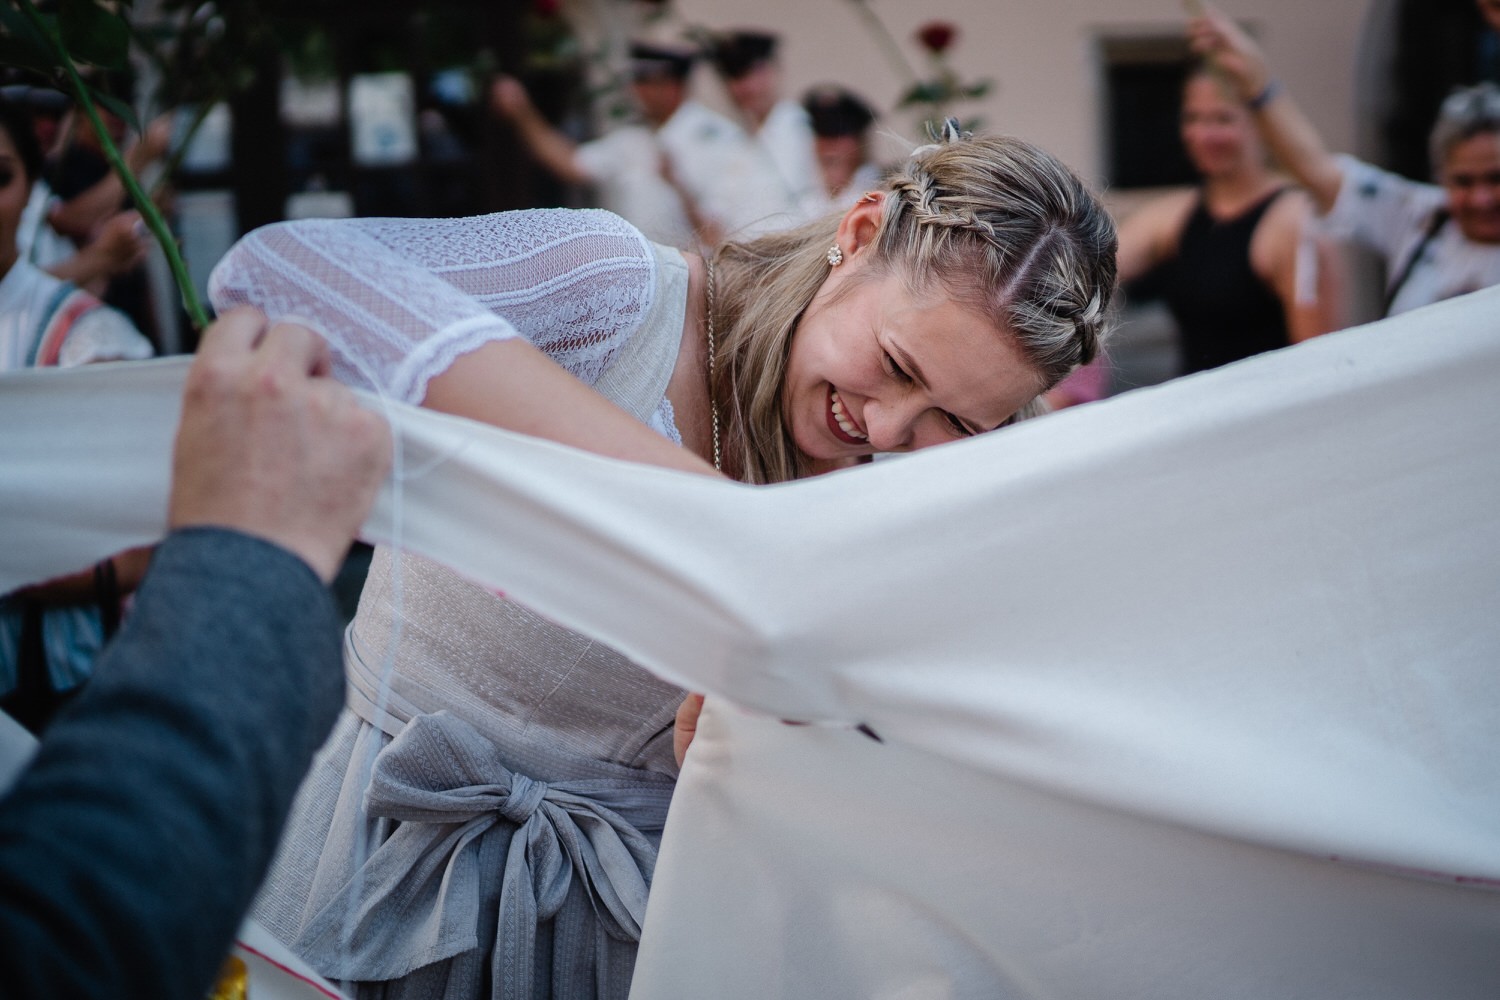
[1041, 55]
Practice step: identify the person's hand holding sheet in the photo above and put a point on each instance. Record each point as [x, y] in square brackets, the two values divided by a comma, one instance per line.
[270, 446]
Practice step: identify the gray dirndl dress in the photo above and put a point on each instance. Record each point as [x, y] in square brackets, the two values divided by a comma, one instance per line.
[484, 819]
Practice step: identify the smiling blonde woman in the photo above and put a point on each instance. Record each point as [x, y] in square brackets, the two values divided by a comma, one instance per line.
[511, 778]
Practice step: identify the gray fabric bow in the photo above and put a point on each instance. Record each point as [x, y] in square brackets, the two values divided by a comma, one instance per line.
[416, 899]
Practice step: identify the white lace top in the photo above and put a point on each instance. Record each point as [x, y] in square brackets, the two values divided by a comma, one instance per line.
[428, 651]
[400, 299]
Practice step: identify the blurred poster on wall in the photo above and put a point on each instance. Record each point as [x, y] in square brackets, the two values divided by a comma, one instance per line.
[209, 148]
[382, 119]
[309, 103]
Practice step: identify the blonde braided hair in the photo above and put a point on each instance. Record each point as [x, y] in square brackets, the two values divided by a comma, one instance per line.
[992, 221]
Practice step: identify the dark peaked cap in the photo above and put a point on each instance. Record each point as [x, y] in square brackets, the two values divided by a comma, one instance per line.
[736, 53]
[834, 111]
[648, 60]
[36, 98]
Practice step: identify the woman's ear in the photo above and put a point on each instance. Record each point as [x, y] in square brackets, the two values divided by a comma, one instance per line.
[861, 223]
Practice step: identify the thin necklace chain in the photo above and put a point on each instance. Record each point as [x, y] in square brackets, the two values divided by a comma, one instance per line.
[713, 409]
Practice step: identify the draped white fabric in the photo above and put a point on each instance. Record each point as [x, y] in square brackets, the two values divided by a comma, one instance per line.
[1192, 692]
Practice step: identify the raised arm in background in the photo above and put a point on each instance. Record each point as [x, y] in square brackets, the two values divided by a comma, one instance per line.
[550, 147]
[1288, 133]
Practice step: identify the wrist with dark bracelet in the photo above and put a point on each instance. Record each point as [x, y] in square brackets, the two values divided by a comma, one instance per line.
[1266, 95]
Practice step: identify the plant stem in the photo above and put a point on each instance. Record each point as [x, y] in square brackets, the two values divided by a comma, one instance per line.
[174, 159]
[887, 42]
[149, 212]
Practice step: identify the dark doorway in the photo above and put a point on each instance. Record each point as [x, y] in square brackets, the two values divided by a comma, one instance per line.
[1439, 45]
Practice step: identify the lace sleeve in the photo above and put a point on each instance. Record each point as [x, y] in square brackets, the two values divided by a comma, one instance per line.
[400, 299]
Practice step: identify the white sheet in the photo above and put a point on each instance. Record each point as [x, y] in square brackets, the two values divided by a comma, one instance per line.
[1142, 669]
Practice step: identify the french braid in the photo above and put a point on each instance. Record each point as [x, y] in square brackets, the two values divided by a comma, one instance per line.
[1043, 249]
[991, 220]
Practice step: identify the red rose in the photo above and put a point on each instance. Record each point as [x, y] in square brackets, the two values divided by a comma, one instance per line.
[936, 36]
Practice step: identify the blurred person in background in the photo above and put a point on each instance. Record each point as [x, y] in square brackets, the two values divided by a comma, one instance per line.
[747, 63]
[117, 244]
[50, 634]
[1226, 255]
[1435, 47]
[1437, 240]
[841, 123]
[666, 173]
[91, 204]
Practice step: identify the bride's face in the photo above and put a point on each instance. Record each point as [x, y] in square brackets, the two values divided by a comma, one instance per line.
[875, 367]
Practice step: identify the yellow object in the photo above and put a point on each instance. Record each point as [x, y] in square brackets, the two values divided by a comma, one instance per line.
[233, 982]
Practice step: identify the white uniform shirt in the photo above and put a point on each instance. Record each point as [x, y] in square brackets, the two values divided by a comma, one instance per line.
[774, 182]
[787, 137]
[625, 167]
[708, 154]
[721, 168]
[1392, 216]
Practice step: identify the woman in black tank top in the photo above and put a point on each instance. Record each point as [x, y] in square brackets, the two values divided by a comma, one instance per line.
[1225, 256]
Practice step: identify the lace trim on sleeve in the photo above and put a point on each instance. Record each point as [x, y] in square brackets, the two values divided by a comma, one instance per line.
[435, 355]
[400, 299]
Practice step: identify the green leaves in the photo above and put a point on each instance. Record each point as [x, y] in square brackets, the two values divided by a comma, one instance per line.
[52, 46]
[93, 34]
[934, 93]
[924, 92]
[55, 45]
[941, 90]
[22, 45]
[116, 107]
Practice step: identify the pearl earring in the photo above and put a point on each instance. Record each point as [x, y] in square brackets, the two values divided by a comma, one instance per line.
[835, 256]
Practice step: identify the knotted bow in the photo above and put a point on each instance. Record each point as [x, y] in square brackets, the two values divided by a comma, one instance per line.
[416, 899]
